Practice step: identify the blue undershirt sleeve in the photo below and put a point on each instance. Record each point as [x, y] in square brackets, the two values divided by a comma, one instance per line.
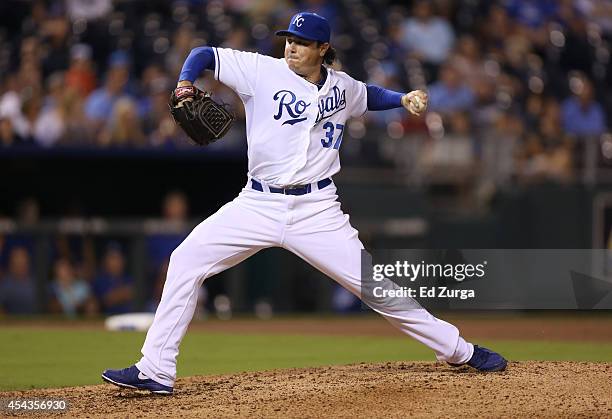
[380, 99]
[199, 59]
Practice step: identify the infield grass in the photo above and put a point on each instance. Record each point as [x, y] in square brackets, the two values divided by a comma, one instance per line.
[40, 357]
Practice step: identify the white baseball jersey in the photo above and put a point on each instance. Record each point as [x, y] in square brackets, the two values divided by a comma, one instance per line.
[294, 130]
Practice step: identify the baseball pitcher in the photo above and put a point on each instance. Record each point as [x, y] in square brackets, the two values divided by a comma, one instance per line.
[296, 112]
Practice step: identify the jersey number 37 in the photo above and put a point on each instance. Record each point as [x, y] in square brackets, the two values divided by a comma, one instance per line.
[329, 135]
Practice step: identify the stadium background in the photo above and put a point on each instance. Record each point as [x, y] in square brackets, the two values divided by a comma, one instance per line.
[98, 185]
[514, 153]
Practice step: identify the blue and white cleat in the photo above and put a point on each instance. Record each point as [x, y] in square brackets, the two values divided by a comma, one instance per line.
[131, 377]
[485, 360]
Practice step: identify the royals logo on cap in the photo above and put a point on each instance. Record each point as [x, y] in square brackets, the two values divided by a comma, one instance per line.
[298, 20]
[309, 26]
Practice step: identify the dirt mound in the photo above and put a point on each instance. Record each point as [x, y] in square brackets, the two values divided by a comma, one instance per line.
[398, 389]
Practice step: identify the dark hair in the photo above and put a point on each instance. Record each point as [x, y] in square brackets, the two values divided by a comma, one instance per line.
[330, 54]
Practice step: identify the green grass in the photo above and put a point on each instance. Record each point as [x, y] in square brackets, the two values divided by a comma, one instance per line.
[37, 358]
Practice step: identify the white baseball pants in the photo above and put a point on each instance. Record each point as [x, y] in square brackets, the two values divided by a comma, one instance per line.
[313, 227]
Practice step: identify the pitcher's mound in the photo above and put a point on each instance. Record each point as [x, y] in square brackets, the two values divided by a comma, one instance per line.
[399, 389]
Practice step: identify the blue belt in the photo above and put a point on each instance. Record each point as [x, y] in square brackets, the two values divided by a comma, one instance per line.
[293, 190]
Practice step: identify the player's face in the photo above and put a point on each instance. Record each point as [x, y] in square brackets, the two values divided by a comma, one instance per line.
[303, 55]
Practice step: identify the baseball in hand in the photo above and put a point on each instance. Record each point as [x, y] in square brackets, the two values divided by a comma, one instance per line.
[415, 102]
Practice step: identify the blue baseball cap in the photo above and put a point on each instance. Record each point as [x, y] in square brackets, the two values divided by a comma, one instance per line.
[309, 26]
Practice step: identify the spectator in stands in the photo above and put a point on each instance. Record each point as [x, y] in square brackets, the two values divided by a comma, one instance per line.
[57, 45]
[70, 295]
[77, 130]
[123, 129]
[426, 37]
[548, 152]
[30, 53]
[576, 52]
[12, 241]
[173, 229]
[183, 42]
[34, 23]
[9, 107]
[516, 52]
[88, 10]
[157, 123]
[29, 72]
[496, 28]
[79, 250]
[486, 109]
[21, 103]
[550, 127]
[80, 75]
[113, 288]
[450, 93]
[582, 115]
[530, 13]
[17, 288]
[28, 212]
[534, 105]
[30, 113]
[49, 127]
[467, 60]
[175, 208]
[175, 213]
[100, 103]
[62, 120]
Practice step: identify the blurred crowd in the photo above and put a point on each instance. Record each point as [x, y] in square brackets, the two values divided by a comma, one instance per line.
[87, 275]
[517, 87]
